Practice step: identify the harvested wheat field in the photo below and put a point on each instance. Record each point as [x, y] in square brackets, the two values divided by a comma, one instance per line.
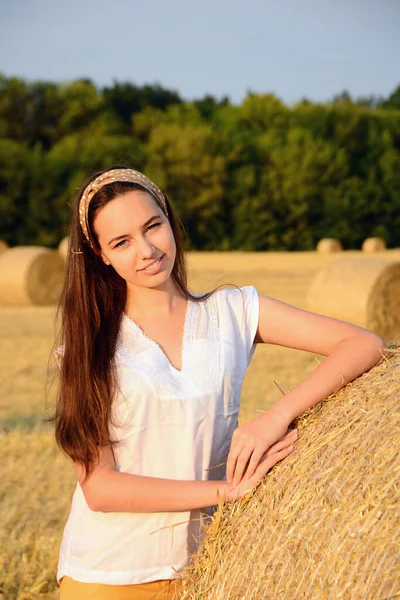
[38, 482]
[325, 523]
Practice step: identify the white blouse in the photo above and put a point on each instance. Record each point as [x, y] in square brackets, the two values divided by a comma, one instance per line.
[170, 424]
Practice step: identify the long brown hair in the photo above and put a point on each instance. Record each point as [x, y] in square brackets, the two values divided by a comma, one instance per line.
[91, 307]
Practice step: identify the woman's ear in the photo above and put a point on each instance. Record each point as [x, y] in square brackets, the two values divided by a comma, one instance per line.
[105, 261]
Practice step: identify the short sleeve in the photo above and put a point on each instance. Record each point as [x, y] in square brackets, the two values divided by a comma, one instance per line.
[239, 312]
[251, 311]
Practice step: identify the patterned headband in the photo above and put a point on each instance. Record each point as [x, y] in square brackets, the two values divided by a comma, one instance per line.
[109, 177]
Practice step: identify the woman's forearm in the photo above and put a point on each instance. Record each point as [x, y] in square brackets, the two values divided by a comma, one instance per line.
[123, 492]
[349, 359]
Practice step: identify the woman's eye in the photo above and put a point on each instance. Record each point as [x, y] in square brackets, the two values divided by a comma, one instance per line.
[121, 243]
[124, 242]
[154, 225]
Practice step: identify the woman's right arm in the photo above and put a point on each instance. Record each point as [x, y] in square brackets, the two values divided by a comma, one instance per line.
[109, 490]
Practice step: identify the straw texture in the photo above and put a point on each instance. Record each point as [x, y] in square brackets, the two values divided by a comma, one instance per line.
[374, 244]
[364, 291]
[63, 247]
[30, 275]
[327, 245]
[324, 524]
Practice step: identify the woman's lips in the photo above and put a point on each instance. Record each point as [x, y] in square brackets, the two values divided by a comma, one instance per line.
[154, 267]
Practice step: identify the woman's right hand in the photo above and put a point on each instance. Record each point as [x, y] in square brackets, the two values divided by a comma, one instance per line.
[277, 452]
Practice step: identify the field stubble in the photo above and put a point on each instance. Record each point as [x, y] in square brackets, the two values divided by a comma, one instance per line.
[37, 481]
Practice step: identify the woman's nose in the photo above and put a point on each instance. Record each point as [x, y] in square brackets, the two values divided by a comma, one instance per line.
[145, 248]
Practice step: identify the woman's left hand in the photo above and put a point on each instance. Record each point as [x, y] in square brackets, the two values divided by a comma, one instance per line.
[250, 442]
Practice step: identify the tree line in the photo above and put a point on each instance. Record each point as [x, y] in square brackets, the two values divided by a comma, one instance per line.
[256, 176]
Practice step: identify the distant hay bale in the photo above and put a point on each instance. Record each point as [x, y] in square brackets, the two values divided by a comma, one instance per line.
[363, 291]
[3, 246]
[325, 522]
[327, 245]
[30, 275]
[63, 247]
[374, 244]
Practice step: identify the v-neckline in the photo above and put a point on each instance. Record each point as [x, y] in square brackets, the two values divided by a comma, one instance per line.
[157, 345]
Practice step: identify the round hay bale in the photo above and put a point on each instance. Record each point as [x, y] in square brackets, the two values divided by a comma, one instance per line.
[325, 522]
[63, 247]
[30, 275]
[374, 244]
[3, 246]
[327, 245]
[363, 291]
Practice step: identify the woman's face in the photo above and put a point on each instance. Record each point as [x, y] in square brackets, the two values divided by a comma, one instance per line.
[133, 234]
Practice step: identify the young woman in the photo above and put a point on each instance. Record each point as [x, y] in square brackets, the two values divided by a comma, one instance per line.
[150, 381]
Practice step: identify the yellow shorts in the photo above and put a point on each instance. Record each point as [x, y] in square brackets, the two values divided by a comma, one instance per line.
[163, 589]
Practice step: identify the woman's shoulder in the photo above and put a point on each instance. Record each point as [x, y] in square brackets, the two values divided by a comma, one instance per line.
[230, 292]
[237, 298]
[236, 305]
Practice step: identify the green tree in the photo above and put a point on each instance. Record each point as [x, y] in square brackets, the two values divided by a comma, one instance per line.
[23, 212]
[298, 183]
[126, 99]
[393, 101]
[259, 113]
[256, 176]
[179, 159]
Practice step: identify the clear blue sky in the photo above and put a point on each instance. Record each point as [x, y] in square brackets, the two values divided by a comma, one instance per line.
[293, 48]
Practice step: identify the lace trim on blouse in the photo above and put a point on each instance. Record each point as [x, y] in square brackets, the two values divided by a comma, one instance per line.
[200, 352]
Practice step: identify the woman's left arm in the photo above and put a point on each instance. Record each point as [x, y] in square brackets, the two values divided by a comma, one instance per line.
[350, 351]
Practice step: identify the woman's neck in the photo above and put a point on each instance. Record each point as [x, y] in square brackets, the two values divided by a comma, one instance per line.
[145, 302]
